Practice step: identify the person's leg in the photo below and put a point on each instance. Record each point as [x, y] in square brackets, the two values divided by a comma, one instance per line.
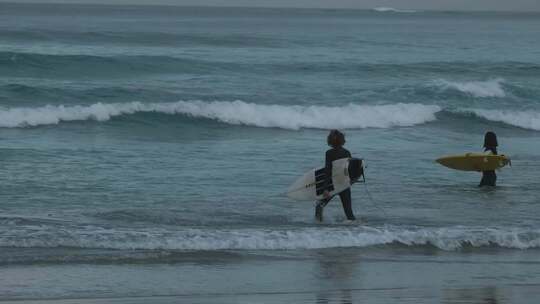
[319, 206]
[489, 178]
[483, 180]
[492, 178]
[345, 197]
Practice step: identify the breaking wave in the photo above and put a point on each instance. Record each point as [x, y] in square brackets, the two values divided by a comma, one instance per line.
[351, 116]
[522, 119]
[235, 113]
[488, 88]
[446, 238]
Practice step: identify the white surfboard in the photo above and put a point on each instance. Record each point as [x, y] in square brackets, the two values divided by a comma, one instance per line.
[310, 186]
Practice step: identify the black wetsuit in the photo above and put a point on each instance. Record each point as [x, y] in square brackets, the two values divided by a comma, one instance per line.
[489, 178]
[345, 195]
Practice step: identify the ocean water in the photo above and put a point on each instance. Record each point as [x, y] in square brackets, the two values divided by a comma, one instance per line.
[144, 153]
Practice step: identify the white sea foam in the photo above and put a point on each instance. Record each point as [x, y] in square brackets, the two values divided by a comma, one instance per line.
[488, 88]
[48, 115]
[234, 112]
[383, 9]
[523, 119]
[449, 238]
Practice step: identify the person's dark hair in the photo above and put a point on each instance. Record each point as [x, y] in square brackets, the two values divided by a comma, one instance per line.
[490, 140]
[335, 139]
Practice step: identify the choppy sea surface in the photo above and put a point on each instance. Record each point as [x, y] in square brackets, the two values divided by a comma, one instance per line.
[144, 153]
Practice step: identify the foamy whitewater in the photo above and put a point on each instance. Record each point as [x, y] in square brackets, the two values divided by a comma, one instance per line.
[237, 113]
[145, 152]
[384, 9]
[351, 116]
[488, 88]
[523, 119]
[444, 238]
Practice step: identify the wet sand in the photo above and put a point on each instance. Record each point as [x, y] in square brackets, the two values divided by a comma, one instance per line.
[308, 276]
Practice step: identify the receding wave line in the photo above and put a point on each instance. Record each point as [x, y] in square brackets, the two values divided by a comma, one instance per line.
[445, 238]
[234, 112]
[488, 88]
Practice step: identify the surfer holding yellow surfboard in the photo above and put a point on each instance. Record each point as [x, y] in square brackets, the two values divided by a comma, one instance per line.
[486, 162]
[489, 178]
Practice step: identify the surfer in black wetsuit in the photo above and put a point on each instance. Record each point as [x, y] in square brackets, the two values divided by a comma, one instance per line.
[336, 140]
[489, 178]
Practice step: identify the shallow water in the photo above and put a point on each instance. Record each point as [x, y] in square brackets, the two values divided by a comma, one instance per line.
[148, 144]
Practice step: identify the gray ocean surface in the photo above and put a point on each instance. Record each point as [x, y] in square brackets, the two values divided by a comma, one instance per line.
[144, 153]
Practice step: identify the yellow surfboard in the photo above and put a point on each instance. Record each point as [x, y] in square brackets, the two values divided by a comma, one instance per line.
[474, 161]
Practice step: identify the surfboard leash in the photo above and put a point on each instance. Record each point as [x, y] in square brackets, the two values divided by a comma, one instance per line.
[370, 197]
